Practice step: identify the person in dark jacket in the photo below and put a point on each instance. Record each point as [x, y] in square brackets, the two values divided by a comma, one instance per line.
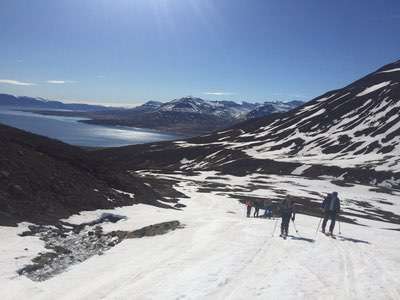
[286, 208]
[267, 209]
[268, 212]
[248, 206]
[257, 205]
[330, 207]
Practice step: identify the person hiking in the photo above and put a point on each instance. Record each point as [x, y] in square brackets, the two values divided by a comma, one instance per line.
[286, 208]
[248, 206]
[330, 207]
[256, 209]
[268, 212]
[267, 209]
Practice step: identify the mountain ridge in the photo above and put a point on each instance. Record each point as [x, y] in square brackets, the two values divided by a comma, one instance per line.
[25, 102]
[351, 134]
[188, 115]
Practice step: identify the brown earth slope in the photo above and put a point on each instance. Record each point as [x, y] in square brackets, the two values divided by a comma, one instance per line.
[42, 180]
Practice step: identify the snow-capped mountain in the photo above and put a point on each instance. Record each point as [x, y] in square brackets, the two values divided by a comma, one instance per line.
[227, 109]
[188, 115]
[273, 107]
[149, 106]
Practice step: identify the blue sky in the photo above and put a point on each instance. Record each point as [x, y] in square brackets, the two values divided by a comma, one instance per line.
[131, 51]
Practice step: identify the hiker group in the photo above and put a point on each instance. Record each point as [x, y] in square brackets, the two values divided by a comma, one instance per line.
[286, 209]
[259, 204]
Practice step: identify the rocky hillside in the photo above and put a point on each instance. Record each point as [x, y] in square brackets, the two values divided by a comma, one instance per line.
[42, 180]
[350, 134]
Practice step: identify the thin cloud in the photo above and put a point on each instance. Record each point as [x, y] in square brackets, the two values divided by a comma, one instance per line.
[60, 81]
[218, 93]
[16, 82]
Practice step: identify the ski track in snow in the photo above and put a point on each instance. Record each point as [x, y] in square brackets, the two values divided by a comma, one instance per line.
[220, 254]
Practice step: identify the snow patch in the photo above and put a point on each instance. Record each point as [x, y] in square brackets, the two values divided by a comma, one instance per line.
[373, 88]
[300, 170]
[391, 70]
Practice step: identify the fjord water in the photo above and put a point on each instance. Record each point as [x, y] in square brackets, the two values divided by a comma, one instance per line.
[71, 131]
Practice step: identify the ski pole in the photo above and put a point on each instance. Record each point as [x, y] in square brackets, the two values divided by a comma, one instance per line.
[276, 223]
[340, 231]
[294, 225]
[319, 224]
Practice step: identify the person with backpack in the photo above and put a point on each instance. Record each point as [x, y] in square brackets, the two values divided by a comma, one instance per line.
[248, 206]
[268, 212]
[256, 209]
[286, 208]
[267, 209]
[330, 207]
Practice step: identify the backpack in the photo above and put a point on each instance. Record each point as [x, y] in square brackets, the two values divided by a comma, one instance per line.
[331, 203]
[286, 206]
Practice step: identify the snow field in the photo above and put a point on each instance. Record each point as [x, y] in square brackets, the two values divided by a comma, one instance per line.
[220, 254]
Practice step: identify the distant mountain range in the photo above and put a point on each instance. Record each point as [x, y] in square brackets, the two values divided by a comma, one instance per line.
[24, 102]
[220, 109]
[224, 109]
[188, 115]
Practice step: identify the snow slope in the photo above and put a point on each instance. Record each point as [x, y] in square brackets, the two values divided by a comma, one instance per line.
[220, 254]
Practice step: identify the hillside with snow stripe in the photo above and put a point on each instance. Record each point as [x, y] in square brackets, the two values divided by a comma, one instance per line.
[354, 127]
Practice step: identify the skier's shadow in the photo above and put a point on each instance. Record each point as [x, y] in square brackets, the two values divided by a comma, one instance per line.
[297, 238]
[347, 239]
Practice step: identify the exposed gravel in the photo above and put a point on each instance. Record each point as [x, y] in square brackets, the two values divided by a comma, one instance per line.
[71, 244]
